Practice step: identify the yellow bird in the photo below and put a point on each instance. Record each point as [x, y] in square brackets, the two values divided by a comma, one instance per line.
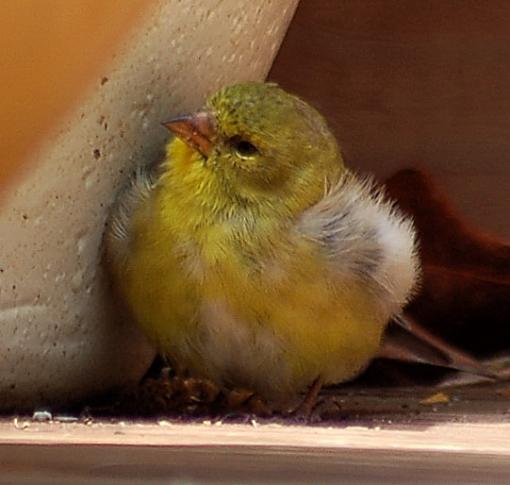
[254, 257]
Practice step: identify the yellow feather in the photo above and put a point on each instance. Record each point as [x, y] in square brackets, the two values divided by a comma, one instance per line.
[229, 274]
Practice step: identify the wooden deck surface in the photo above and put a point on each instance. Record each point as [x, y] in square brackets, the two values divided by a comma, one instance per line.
[172, 452]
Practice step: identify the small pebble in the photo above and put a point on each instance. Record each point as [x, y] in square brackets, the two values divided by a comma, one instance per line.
[164, 422]
[42, 415]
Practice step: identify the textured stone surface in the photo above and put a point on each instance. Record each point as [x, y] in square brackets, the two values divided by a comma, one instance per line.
[58, 339]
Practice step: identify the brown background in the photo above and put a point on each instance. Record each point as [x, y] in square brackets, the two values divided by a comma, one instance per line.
[50, 50]
[416, 82]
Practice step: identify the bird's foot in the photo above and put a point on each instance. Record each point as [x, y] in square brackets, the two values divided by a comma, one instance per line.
[304, 410]
[244, 402]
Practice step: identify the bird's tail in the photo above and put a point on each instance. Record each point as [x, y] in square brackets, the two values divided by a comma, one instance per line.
[408, 341]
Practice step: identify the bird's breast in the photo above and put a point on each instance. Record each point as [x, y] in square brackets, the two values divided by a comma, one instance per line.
[251, 309]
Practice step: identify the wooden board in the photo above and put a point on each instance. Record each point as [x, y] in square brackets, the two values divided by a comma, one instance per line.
[122, 452]
[446, 434]
[412, 83]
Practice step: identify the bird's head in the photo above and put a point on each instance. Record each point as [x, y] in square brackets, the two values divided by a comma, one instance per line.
[262, 143]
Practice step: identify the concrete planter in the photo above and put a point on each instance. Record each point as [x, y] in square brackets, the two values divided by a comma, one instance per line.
[59, 338]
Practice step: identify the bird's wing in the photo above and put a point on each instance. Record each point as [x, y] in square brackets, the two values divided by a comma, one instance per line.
[118, 226]
[366, 239]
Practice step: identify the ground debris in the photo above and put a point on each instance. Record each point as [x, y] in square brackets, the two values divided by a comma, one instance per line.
[437, 398]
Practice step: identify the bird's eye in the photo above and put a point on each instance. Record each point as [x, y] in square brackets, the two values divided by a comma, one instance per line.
[244, 148]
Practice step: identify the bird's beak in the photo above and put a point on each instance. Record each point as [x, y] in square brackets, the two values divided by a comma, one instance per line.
[198, 130]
